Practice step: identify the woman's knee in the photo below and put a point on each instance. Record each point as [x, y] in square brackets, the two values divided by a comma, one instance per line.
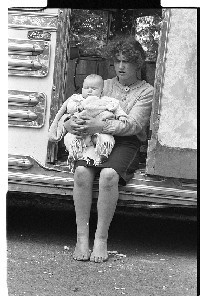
[108, 178]
[83, 176]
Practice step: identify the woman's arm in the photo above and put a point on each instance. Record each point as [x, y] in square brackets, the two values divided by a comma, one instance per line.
[137, 120]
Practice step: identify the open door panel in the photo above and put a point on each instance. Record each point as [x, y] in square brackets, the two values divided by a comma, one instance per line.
[172, 150]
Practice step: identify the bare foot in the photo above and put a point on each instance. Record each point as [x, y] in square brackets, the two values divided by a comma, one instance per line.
[99, 253]
[82, 251]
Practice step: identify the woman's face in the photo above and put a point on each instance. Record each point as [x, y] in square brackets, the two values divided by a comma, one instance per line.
[126, 71]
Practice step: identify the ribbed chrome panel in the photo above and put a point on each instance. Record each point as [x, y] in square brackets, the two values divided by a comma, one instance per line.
[26, 109]
[28, 58]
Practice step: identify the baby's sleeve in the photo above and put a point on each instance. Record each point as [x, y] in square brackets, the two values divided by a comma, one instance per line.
[73, 103]
[114, 106]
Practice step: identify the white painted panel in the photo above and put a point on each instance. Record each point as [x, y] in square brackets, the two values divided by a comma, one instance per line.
[31, 141]
[178, 121]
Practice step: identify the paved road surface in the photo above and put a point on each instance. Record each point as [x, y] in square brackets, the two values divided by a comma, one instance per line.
[154, 256]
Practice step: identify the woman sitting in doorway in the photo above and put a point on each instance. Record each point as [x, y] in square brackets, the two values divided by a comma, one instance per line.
[135, 97]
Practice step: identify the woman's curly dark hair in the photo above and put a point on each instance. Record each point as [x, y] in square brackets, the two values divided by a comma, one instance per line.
[128, 46]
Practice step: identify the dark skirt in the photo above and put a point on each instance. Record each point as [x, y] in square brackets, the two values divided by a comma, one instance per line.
[124, 158]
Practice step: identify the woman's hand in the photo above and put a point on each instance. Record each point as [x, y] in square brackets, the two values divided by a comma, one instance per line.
[84, 126]
[92, 125]
[75, 126]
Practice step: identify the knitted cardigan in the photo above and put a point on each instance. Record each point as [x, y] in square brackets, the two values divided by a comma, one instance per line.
[136, 101]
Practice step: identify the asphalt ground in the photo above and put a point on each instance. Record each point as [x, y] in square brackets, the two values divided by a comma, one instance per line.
[148, 256]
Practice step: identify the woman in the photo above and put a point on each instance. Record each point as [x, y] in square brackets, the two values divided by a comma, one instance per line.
[135, 98]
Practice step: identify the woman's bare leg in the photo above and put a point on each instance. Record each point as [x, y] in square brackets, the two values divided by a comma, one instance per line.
[82, 196]
[106, 205]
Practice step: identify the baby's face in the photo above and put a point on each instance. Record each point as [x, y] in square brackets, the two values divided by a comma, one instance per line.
[92, 87]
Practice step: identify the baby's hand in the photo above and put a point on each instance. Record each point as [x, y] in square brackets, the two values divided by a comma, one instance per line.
[123, 119]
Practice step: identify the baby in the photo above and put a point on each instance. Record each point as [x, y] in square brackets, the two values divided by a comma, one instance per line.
[91, 103]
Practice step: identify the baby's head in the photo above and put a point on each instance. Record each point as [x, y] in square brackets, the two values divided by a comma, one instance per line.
[92, 86]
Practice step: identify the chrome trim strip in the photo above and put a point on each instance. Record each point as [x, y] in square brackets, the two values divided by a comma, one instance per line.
[23, 64]
[29, 177]
[30, 20]
[28, 47]
[23, 115]
[20, 99]
[51, 180]
[19, 163]
[31, 14]
[144, 191]
[162, 197]
[32, 27]
[163, 181]
[162, 189]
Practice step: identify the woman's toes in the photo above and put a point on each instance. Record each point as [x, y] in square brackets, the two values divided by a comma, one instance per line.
[98, 259]
[94, 258]
[99, 253]
[81, 256]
